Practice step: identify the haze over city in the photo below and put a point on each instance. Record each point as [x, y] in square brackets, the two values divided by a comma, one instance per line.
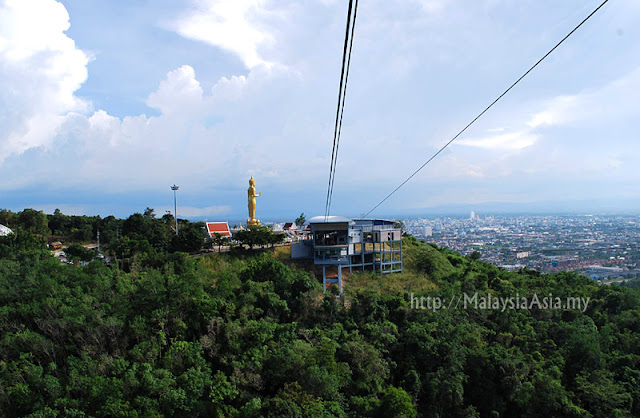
[106, 104]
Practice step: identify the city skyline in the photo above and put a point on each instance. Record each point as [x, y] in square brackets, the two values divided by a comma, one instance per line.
[599, 246]
[109, 103]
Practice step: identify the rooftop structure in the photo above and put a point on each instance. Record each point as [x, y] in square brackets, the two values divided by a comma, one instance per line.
[221, 228]
[362, 244]
[5, 231]
[290, 226]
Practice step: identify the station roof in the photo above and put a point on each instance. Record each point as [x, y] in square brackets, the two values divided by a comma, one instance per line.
[4, 231]
[375, 221]
[329, 220]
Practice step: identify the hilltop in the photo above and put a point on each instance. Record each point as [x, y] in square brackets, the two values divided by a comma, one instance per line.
[251, 333]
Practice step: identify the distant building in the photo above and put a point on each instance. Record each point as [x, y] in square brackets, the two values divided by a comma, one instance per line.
[364, 244]
[511, 267]
[522, 254]
[290, 226]
[597, 272]
[221, 228]
[4, 231]
[428, 231]
[473, 215]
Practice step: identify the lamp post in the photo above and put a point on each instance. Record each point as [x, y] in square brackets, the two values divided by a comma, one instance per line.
[175, 205]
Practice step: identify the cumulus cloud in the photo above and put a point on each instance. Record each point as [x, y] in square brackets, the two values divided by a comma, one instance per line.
[230, 25]
[205, 139]
[230, 88]
[412, 84]
[179, 92]
[40, 69]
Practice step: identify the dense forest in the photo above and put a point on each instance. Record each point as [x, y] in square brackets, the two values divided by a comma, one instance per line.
[250, 333]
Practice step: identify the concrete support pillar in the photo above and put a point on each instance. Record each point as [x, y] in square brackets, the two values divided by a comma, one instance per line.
[324, 278]
[401, 265]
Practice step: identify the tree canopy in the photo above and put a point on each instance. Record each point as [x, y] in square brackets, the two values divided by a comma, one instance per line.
[300, 220]
[245, 335]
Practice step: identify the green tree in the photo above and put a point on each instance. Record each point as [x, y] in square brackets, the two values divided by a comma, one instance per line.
[34, 221]
[149, 213]
[126, 247]
[274, 238]
[300, 220]
[254, 235]
[77, 252]
[245, 335]
[59, 223]
[292, 401]
[222, 391]
[190, 238]
[168, 219]
[219, 240]
[139, 227]
[23, 245]
[397, 403]
[8, 218]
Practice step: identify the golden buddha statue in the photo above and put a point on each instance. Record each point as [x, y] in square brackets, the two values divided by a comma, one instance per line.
[252, 203]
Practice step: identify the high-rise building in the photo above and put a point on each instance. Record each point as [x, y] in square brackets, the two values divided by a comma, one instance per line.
[473, 215]
[428, 231]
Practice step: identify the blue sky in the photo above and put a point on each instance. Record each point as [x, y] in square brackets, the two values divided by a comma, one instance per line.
[107, 103]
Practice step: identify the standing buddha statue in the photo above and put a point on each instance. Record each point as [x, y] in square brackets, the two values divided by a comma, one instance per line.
[252, 203]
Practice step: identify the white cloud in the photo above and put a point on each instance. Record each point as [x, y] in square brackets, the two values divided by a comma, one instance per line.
[230, 25]
[559, 110]
[40, 69]
[419, 69]
[613, 101]
[203, 140]
[179, 92]
[600, 106]
[508, 141]
[229, 89]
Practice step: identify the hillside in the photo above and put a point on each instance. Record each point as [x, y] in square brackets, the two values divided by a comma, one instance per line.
[251, 334]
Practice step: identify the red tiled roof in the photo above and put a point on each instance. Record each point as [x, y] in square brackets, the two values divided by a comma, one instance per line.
[221, 228]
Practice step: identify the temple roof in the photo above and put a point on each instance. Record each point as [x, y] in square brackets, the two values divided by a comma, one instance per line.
[221, 228]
